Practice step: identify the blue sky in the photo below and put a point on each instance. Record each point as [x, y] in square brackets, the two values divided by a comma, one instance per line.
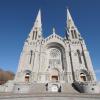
[17, 18]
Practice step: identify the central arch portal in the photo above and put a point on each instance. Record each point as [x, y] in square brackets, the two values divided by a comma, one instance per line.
[56, 56]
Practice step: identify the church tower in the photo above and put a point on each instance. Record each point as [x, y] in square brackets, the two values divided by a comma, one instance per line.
[81, 61]
[29, 58]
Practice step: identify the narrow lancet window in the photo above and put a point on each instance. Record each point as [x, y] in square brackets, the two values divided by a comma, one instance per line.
[33, 35]
[75, 34]
[79, 56]
[31, 56]
[36, 35]
[72, 34]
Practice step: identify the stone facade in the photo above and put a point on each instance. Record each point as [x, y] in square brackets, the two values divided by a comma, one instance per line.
[55, 58]
[55, 61]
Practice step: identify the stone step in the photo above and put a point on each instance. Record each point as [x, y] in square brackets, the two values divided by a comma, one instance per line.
[49, 96]
[68, 88]
[40, 88]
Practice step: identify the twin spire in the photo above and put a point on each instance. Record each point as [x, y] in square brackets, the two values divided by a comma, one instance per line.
[36, 31]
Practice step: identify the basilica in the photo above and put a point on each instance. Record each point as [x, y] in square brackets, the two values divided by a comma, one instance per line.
[54, 63]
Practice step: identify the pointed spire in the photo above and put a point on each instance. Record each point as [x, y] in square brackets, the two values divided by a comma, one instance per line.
[38, 23]
[70, 22]
[71, 28]
[37, 28]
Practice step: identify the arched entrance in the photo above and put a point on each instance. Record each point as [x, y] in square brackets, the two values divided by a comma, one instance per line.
[27, 75]
[56, 61]
[55, 78]
[82, 77]
[54, 75]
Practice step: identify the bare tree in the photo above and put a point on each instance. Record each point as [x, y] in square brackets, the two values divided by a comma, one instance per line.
[5, 76]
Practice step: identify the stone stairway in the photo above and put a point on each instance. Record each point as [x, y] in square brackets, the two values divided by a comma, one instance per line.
[49, 96]
[37, 88]
[67, 88]
[41, 88]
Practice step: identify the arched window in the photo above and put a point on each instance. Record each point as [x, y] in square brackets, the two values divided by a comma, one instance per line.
[36, 35]
[75, 34]
[33, 35]
[79, 56]
[31, 52]
[72, 32]
[55, 58]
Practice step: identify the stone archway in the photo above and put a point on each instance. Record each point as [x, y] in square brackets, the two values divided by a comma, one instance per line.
[54, 75]
[27, 75]
[56, 59]
[84, 76]
[56, 56]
